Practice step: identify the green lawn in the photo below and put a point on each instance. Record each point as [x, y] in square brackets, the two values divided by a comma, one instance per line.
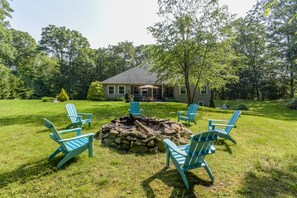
[263, 163]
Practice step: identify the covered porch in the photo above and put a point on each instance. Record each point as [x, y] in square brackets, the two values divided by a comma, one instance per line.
[151, 93]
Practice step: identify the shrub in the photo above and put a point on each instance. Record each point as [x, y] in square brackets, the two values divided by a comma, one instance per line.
[62, 96]
[242, 107]
[96, 91]
[127, 97]
[292, 104]
[46, 99]
[170, 99]
[137, 98]
[115, 99]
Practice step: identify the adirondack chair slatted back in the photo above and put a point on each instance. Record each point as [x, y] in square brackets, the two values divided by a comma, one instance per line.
[192, 109]
[200, 146]
[54, 135]
[134, 107]
[71, 110]
[232, 121]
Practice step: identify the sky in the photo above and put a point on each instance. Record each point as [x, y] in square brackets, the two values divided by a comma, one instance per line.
[102, 22]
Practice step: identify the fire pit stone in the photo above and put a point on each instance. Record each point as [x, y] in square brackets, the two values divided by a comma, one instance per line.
[142, 134]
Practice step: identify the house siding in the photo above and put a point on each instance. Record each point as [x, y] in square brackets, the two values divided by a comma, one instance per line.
[198, 97]
[116, 94]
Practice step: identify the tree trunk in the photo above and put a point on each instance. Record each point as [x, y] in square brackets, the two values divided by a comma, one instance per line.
[212, 103]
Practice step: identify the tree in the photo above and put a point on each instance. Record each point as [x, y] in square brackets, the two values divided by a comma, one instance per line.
[281, 36]
[251, 46]
[96, 91]
[6, 49]
[66, 45]
[189, 39]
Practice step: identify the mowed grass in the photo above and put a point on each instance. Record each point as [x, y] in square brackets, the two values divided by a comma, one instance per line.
[263, 163]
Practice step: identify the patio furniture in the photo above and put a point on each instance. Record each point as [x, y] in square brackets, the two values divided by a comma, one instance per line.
[190, 115]
[76, 118]
[70, 147]
[224, 132]
[191, 156]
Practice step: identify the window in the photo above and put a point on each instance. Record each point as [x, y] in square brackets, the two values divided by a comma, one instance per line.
[201, 103]
[182, 90]
[144, 91]
[135, 90]
[111, 89]
[121, 89]
[203, 90]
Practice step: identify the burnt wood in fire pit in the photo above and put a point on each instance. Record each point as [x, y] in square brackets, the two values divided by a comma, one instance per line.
[142, 134]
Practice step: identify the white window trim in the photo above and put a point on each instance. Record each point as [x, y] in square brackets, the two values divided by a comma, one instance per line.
[201, 102]
[113, 89]
[182, 94]
[119, 89]
[205, 91]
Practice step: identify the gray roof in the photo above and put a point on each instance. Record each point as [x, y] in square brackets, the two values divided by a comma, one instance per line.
[137, 75]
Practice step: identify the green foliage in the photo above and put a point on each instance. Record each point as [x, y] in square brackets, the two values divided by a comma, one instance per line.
[193, 44]
[242, 107]
[96, 91]
[62, 96]
[114, 99]
[127, 97]
[46, 99]
[170, 99]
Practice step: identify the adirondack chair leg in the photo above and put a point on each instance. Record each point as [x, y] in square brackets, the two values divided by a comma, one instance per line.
[54, 153]
[90, 147]
[89, 124]
[182, 173]
[206, 167]
[167, 157]
[64, 160]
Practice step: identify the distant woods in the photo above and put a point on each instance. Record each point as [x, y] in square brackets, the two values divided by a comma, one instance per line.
[261, 52]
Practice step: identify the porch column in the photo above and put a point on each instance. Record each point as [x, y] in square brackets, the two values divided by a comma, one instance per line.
[162, 91]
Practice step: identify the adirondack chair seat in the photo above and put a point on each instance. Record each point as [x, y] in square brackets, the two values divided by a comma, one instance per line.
[189, 115]
[191, 156]
[73, 144]
[70, 147]
[76, 118]
[224, 131]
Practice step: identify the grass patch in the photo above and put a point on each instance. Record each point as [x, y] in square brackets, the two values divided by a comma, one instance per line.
[261, 164]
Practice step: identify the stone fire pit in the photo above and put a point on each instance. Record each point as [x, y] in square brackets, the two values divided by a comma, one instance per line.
[142, 134]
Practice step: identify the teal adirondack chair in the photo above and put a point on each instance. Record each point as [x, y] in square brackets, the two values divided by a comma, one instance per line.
[70, 147]
[135, 109]
[224, 132]
[191, 156]
[190, 115]
[77, 118]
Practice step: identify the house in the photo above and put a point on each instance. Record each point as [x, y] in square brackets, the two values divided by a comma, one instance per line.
[133, 80]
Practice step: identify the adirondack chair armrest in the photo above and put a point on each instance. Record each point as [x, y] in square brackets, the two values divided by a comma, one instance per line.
[171, 144]
[210, 120]
[90, 135]
[77, 130]
[180, 112]
[88, 114]
[192, 113]
[79, 117]
[226, 125]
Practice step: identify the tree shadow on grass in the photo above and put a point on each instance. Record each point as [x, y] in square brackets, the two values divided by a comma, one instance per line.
[173, 179]
[27, 172]
[271, 182]
[222, 143]
[32, 171]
